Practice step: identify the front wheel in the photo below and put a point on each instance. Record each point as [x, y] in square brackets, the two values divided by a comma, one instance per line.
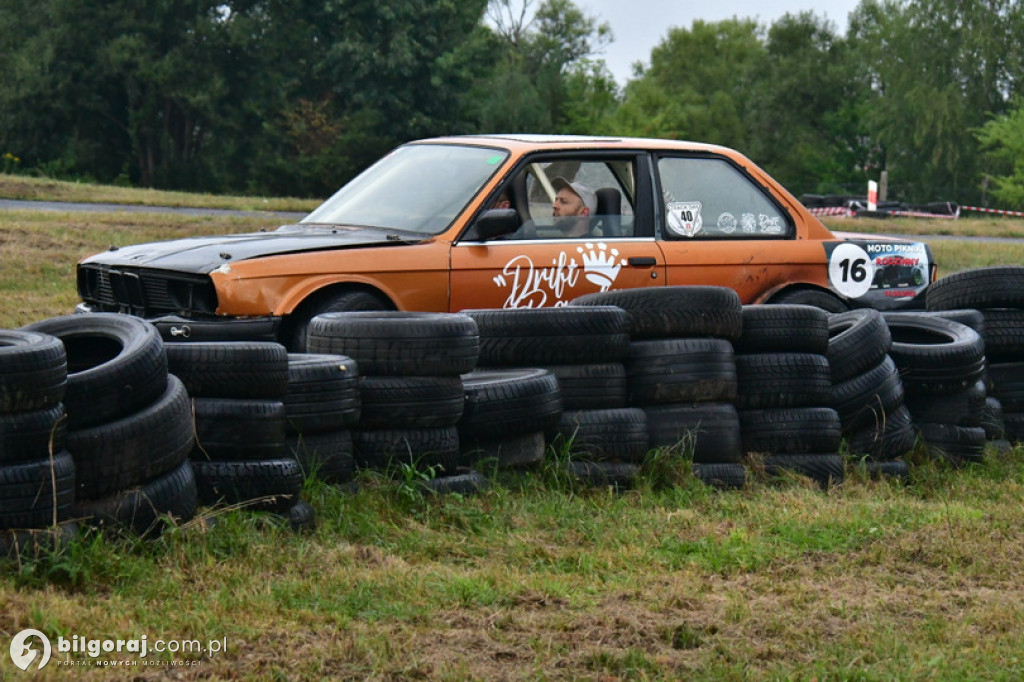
[349, 301]
[818, 298]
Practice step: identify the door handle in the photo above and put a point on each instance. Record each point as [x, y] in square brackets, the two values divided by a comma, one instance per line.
[642, 261]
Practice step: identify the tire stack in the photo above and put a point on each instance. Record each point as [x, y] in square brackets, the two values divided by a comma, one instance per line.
[681, 372]
[321, 408]
[570, 362]
[237, 390]
[998, 294]
[784, 389]
[33, 379]
[867, 392]
[941, 364]
[411, 392]
[129, 423]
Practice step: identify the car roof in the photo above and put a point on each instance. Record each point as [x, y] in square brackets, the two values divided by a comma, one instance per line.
[522, 142]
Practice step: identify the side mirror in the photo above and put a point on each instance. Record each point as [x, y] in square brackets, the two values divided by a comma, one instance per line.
[495, 222]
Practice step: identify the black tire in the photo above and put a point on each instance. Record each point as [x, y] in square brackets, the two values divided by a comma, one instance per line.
[894, 437]
[510, 452]
[935, 355]
[125, 453]
[592, 386]
[398, 343]
[784, 329]
[328, 455]
[295, 331]
[616, 475]
[223, 369]
[604, 435]
[1013, 422]
[782, 380]
[262, 485]
[1006, 380]
[1004, 334]
[26, 436]
[34, 543]
[410, 402]
[537, 337]
[463, 482]
[824, 469]
[386, 450]
[33, 371]
[323, 393]
[957, 444]
[674, 311]
[975, 319]
[33, 493]
[511, 402]
[142, 510]
[301, 516]
[896, 469]
[795, 430]
[238, 429]
[116, 365]
[819, 298]
[963, 408]
[991, 287]
[680, 370]
[710, 431]
[721, 476]
[858, 340]
[992, 419]
[867, 399]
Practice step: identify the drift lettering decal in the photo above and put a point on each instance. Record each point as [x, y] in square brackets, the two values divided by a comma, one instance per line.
[879, 270]
[531, 286]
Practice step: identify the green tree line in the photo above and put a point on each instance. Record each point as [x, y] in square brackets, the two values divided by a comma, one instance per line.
[294, 97]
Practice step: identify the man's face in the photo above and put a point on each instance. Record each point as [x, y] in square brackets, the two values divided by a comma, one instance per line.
[567, 203]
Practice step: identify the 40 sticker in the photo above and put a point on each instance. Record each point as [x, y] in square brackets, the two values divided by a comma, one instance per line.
[684, 218]
[851, 271]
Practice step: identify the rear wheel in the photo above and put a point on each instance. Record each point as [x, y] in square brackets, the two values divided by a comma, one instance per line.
[815, 297]
[294, 336]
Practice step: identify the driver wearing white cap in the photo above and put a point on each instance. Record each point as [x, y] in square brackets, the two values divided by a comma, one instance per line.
[573, 206]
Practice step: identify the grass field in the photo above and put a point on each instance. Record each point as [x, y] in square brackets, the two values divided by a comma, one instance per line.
[536, 579]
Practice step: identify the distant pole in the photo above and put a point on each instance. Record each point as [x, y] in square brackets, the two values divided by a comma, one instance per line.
[883, 186]
[872, 195]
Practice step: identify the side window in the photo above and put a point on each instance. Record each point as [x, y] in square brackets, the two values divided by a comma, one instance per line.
[577, 198]
[709, 198]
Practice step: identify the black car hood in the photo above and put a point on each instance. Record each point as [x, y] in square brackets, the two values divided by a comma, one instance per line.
[202, 255]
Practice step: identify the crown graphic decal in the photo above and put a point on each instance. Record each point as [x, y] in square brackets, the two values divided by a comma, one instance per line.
[599, 264]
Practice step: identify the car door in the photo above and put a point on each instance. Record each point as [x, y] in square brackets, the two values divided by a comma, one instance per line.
[543, 263]
[720, 227]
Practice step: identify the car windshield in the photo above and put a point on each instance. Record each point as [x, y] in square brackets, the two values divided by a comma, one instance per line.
[416, 188]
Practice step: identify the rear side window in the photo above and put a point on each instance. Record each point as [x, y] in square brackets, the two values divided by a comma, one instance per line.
[709, 198]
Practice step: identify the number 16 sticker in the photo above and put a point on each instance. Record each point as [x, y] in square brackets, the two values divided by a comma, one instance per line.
[851, 270]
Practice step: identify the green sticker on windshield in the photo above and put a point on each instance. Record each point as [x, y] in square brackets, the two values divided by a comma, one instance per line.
[495, 159]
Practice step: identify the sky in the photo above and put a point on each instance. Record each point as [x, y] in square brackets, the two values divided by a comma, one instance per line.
[639, 25]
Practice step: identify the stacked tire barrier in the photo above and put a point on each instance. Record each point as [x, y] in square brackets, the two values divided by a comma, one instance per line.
[411, 390]
[941, 364]
[867, 392]
[681, 372]
[574, 358]
[784, 392]
[998, 294]
[237, 390]
[322, 407]
[37, 475]
[129, 424]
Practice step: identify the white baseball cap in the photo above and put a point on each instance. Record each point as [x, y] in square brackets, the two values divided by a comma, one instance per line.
[585, 194]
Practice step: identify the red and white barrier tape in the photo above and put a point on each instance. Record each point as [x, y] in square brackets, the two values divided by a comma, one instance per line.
[833, 211]
[992, 210]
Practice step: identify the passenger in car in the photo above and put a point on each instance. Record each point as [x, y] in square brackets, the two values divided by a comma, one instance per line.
[574, 204]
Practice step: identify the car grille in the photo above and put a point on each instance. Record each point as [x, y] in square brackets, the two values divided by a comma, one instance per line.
[144, 292]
